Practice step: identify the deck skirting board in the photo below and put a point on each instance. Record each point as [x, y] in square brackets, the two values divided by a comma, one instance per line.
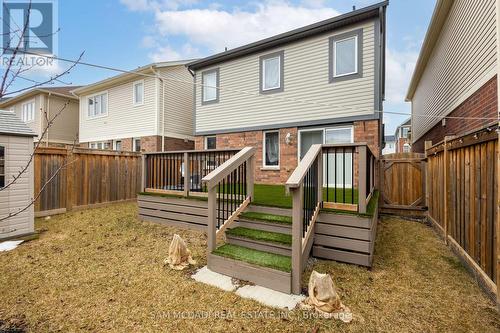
[262, 276]
[362, 259]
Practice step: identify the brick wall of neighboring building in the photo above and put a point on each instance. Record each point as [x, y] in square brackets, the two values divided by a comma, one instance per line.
[364, 131]
[152, 144]
[483, 103]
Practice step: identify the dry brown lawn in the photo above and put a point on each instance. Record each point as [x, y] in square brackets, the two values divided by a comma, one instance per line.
[102, 270]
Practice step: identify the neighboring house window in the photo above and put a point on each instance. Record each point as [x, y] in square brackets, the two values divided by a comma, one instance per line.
[271, 72]
[210, 142]
[28, 112]
[210, 84]
[118, 145]
[404, 132]
[97, 105]
[137, 144]
[2, 166]
[100, 145]
[271, 149]
[346, 56]
[139, 93]
[406, 148]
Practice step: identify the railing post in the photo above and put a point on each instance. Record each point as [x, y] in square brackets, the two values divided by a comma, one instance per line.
[250, 176]
[212, 219]
[144, 173]
[320, 177]
[361, 179]
[297, 211]
[187, 174]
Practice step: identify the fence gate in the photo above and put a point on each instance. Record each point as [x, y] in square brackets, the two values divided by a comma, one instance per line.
[402, 181]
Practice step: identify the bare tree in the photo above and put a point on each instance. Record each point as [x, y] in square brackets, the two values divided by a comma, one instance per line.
[15, 70]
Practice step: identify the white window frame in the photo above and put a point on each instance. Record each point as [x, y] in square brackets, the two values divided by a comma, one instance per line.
[203, 94]
[264, 73]
[22, 111]
[206, 141]
[264, 165]
[356, 65]
[4, 165]
[115, 143]
[102, 115]
[134, 146]
[134, 95]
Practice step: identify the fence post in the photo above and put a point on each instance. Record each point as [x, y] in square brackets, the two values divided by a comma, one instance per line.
[426, 180]
[498, 210]
[361, 179]
[69, 180]
[212, 220]
[297, 210]
[446, 161]
[187, 174]
[144, 173]
[250, 177]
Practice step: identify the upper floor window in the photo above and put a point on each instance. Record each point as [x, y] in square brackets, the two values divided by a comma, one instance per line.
[404, 132]
[139, 93]
[210, 142]
[2, 166]
[346, 55]
[28, 112]
[210, 84]
[271, 72]
[97, 105]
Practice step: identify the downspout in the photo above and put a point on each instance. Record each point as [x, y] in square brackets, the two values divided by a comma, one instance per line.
[161, 106]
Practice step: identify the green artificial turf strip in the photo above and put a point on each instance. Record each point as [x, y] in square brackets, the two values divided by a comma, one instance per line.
[271, 195]
[267, 217]
[260, 258]
[260, 235]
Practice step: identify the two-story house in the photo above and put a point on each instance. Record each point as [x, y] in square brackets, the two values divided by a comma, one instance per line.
[403, 137]
[454, 85]
[148, 109]
[35, 106]
[323, 83]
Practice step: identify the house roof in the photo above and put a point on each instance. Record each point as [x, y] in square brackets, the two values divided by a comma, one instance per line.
[439, 16]
[63, 91]
[405, 123]
[389, 138]
[10, 124]
[128, 75]
[293, 35]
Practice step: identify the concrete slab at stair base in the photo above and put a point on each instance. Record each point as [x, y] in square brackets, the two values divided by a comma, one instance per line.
[262, 276]
[259, 245]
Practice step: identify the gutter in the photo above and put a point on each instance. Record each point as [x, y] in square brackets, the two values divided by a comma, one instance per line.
[160, 106]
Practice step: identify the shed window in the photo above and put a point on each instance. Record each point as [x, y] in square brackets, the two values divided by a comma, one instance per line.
[97, 105]
[210, 93]
[28, 112]
[271, 149]
[346, 56]
[2, 166]
[139, 93]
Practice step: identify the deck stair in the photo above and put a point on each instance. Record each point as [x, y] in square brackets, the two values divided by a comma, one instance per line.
[257, 249]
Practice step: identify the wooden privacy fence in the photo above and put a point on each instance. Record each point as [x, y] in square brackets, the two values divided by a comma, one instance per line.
[88, 178]
[462, 199]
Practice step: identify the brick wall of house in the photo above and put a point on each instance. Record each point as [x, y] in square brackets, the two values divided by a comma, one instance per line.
[178, 144]
[364, 131]
[483, 103]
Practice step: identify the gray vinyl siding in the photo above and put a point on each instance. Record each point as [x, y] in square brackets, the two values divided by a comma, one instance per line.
[36, 124]
[65, 127]
[178, 101]
[18, 150]
[306, 77]
[463, 59]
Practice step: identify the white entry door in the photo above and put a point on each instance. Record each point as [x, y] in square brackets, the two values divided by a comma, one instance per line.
[338, 166]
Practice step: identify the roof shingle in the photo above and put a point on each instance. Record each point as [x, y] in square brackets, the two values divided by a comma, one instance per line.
[11, 125]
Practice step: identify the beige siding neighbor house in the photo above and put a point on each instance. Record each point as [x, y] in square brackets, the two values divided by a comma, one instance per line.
[456, 72]
[16, 147]
[32, 105]
[135, 110]
[323, 83]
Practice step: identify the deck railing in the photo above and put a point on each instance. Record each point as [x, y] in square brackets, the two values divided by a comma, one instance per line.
[181, 172]
[340, 176]
[230, 190]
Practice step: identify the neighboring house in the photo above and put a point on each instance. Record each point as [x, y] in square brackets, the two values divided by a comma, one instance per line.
[403, 137]
[390, 145]
[135, 110]
[31, 105]
[16, 148]
[323, 83]
[456, 72]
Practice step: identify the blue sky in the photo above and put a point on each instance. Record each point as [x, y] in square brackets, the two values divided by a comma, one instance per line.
[131, 33]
